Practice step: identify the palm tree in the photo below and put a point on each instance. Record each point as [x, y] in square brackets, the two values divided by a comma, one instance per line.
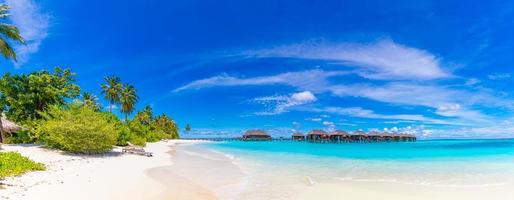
[188, 128]
[128, 100]
[112, 90]
[90, 100]
[10, 32]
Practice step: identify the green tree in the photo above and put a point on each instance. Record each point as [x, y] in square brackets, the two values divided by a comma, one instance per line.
[145, 116]
[128, 100]
[112, 90]
[9, 32]
[188, 128]
[91, 101]
[166, 126]
[25, 95]
[12, 33]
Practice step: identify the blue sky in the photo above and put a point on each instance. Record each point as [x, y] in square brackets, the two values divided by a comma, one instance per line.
[434, 68]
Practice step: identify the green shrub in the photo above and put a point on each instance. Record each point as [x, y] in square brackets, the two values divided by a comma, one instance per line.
[77, 129]
[14, 164]
[21, 137]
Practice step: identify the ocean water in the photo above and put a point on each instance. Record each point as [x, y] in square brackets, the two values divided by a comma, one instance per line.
[434, 163]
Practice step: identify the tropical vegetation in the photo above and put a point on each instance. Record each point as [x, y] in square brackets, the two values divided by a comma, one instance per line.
[77, 129]
[53, 113]
[8, 32]
[14, 164]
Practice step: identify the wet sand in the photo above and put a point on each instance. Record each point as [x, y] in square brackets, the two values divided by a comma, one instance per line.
[198, 173]
[201, 173]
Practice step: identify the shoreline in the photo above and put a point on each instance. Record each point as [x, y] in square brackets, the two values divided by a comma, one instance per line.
[180, 169]
[109, 176]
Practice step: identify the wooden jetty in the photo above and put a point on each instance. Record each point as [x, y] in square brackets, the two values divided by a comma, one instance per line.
[320, 136]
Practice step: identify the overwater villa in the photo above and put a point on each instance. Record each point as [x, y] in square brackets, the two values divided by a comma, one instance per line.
[256, 135]
[317, 136]
[358, 136]
[298, 137]
[339, 136]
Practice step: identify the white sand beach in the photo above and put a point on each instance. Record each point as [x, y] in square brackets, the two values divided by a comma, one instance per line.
[112, 176]
[179, 170]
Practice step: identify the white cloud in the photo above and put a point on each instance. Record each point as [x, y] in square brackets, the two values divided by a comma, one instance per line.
[383, 60]
[370, 114]
[314, 80]
[499, 76]
[327, 123]
[280, 104]
[314, 119]
[472, 81]
[426, 95]
[33, 25]
[303, 97]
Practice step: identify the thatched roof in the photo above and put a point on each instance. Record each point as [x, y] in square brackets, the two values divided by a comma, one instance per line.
[317, 132]
[339, 132]
[256, 132]
[9, 126]
[298, 134]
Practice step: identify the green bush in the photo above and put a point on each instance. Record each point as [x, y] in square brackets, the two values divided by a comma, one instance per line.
[77, 129]
[21, 137]
[14, 164]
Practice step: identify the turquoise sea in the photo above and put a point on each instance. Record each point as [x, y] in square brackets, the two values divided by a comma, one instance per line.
[438, 163]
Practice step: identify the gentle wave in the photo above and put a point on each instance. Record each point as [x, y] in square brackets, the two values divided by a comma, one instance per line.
[431, 184]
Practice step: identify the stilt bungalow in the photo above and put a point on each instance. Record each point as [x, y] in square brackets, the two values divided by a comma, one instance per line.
[374, 136]
[339, 136]
[358, 136]
[317, 136]
[256, 135]
[298, 137]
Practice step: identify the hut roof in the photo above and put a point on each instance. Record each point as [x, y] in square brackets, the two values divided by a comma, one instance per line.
[317, 132]
[10, 126]
[339, 132]
[256, 132]
[298, 134]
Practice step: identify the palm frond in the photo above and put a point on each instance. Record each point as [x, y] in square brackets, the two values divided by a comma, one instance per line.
[6, 50]
[11, 32]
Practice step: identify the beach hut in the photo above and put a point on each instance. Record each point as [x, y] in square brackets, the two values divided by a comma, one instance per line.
[9, 127]
[388, 137]
[358, 136]
[374, 136]
[256, 135]
[298, 137]
[339, 136]
[317, 136]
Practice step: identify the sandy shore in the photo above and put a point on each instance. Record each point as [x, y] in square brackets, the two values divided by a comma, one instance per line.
[112, 176]
[180, 170]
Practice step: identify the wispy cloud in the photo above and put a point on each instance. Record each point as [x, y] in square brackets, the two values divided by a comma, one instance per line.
[370, 114]
[33, 25]
[501, 76]
[280, 104]
[383, 60]
[437, 97]
[314, 80]
[432, 96]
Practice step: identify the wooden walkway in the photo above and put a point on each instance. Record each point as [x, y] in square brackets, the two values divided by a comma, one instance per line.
[370, 140]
